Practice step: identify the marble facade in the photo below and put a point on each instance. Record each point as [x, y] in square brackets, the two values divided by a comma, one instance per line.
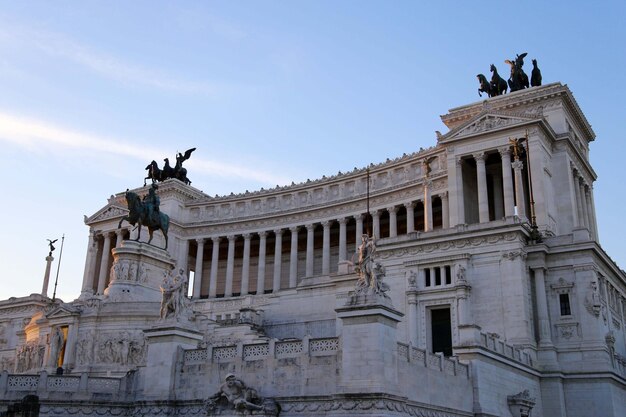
[482, 319]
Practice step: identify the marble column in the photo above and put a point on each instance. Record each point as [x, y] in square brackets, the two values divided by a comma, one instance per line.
[260, 280]
[481, 177]
[520, 198]
[46, 276]
[245, 266]
[545, 338]
[70, 347]
[376, 224]
[326, 248]
[583, 204]
[459, 191]
[593, 214]
[104, 263]
[197, 277]
[215, 257]
[230, 266]
[393, 221]
[428, 207]
[359, 228]
[343, 245]
[445, 210]
[278, 257]
[507, 182]
[293, 258]
[410, 216]
[183, 260]
[310, 240]
[579, 208]
[90, 259]
[590, 216]
[413, 316]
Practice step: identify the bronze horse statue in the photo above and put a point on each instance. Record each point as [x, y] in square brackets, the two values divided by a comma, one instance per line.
[485, 87]
[498, 84]
[139, 216]
[519, 79]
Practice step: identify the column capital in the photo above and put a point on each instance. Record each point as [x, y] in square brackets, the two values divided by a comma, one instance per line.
[505, 151]
[479, 156]
[443, 195]
[200, 241]
[459, 161]
[119, 232]
[231, 238]
[215, 239]
[262, 234]
[392, 209]
[342, 220]
[326, 223]
[358, 217]
[427, 183]
[278, 232]
[310, 227]
[375, 213]
[410, 204]
[246, 236]
[294, 229]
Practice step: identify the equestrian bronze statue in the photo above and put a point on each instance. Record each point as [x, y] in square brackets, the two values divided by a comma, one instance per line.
[146, 213]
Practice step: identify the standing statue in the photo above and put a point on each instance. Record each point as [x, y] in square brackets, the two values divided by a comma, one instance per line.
[498, 84]
[518, 79]
[146, 213]
[535, 75]
[51, 246]
[178, 172]
[56, 344]
[234, 393]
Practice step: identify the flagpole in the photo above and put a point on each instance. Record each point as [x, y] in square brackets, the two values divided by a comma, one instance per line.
[56, 281]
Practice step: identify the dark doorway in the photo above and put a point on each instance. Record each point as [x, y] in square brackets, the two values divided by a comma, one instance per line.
[441, 331]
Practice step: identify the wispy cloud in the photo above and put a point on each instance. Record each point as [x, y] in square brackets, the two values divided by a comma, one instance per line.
[31, 134]
[106, 65]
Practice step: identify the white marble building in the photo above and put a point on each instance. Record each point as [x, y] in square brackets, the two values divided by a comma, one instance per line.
[483, 318]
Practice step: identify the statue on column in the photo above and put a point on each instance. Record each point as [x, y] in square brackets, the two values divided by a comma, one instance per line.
[371, 273]
[51, 246]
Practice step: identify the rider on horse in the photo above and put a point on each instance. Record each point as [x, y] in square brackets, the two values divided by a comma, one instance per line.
[152, 202]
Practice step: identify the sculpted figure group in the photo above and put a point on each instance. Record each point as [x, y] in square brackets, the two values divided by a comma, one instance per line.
[234, 393]
[518, 79]
[157, 174]
[371, 273]
[174, 302]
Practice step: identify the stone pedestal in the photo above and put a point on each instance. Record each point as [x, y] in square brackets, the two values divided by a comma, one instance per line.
[165, 343]
[137, 272]
[369, 361]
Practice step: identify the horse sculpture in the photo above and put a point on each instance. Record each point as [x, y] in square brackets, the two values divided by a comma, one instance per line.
[498, 84]
[178, 172]
[485, 87]
[139, 216]
[535, 75]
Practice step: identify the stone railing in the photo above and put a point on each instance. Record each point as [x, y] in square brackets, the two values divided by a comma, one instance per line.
[496, 345]
[255, 351]
[44, 383]
[436, 361]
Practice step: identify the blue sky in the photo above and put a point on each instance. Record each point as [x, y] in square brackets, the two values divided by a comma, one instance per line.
[269, 93]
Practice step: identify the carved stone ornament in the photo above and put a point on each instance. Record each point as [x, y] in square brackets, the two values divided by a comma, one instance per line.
[592, 299]
[235, 395]
[521, 404]
[371, 273]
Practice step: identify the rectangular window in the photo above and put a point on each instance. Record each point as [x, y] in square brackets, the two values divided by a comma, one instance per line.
[437, 276]
[441, 331]
[565, 307]
[427, 277]
[448, 275]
